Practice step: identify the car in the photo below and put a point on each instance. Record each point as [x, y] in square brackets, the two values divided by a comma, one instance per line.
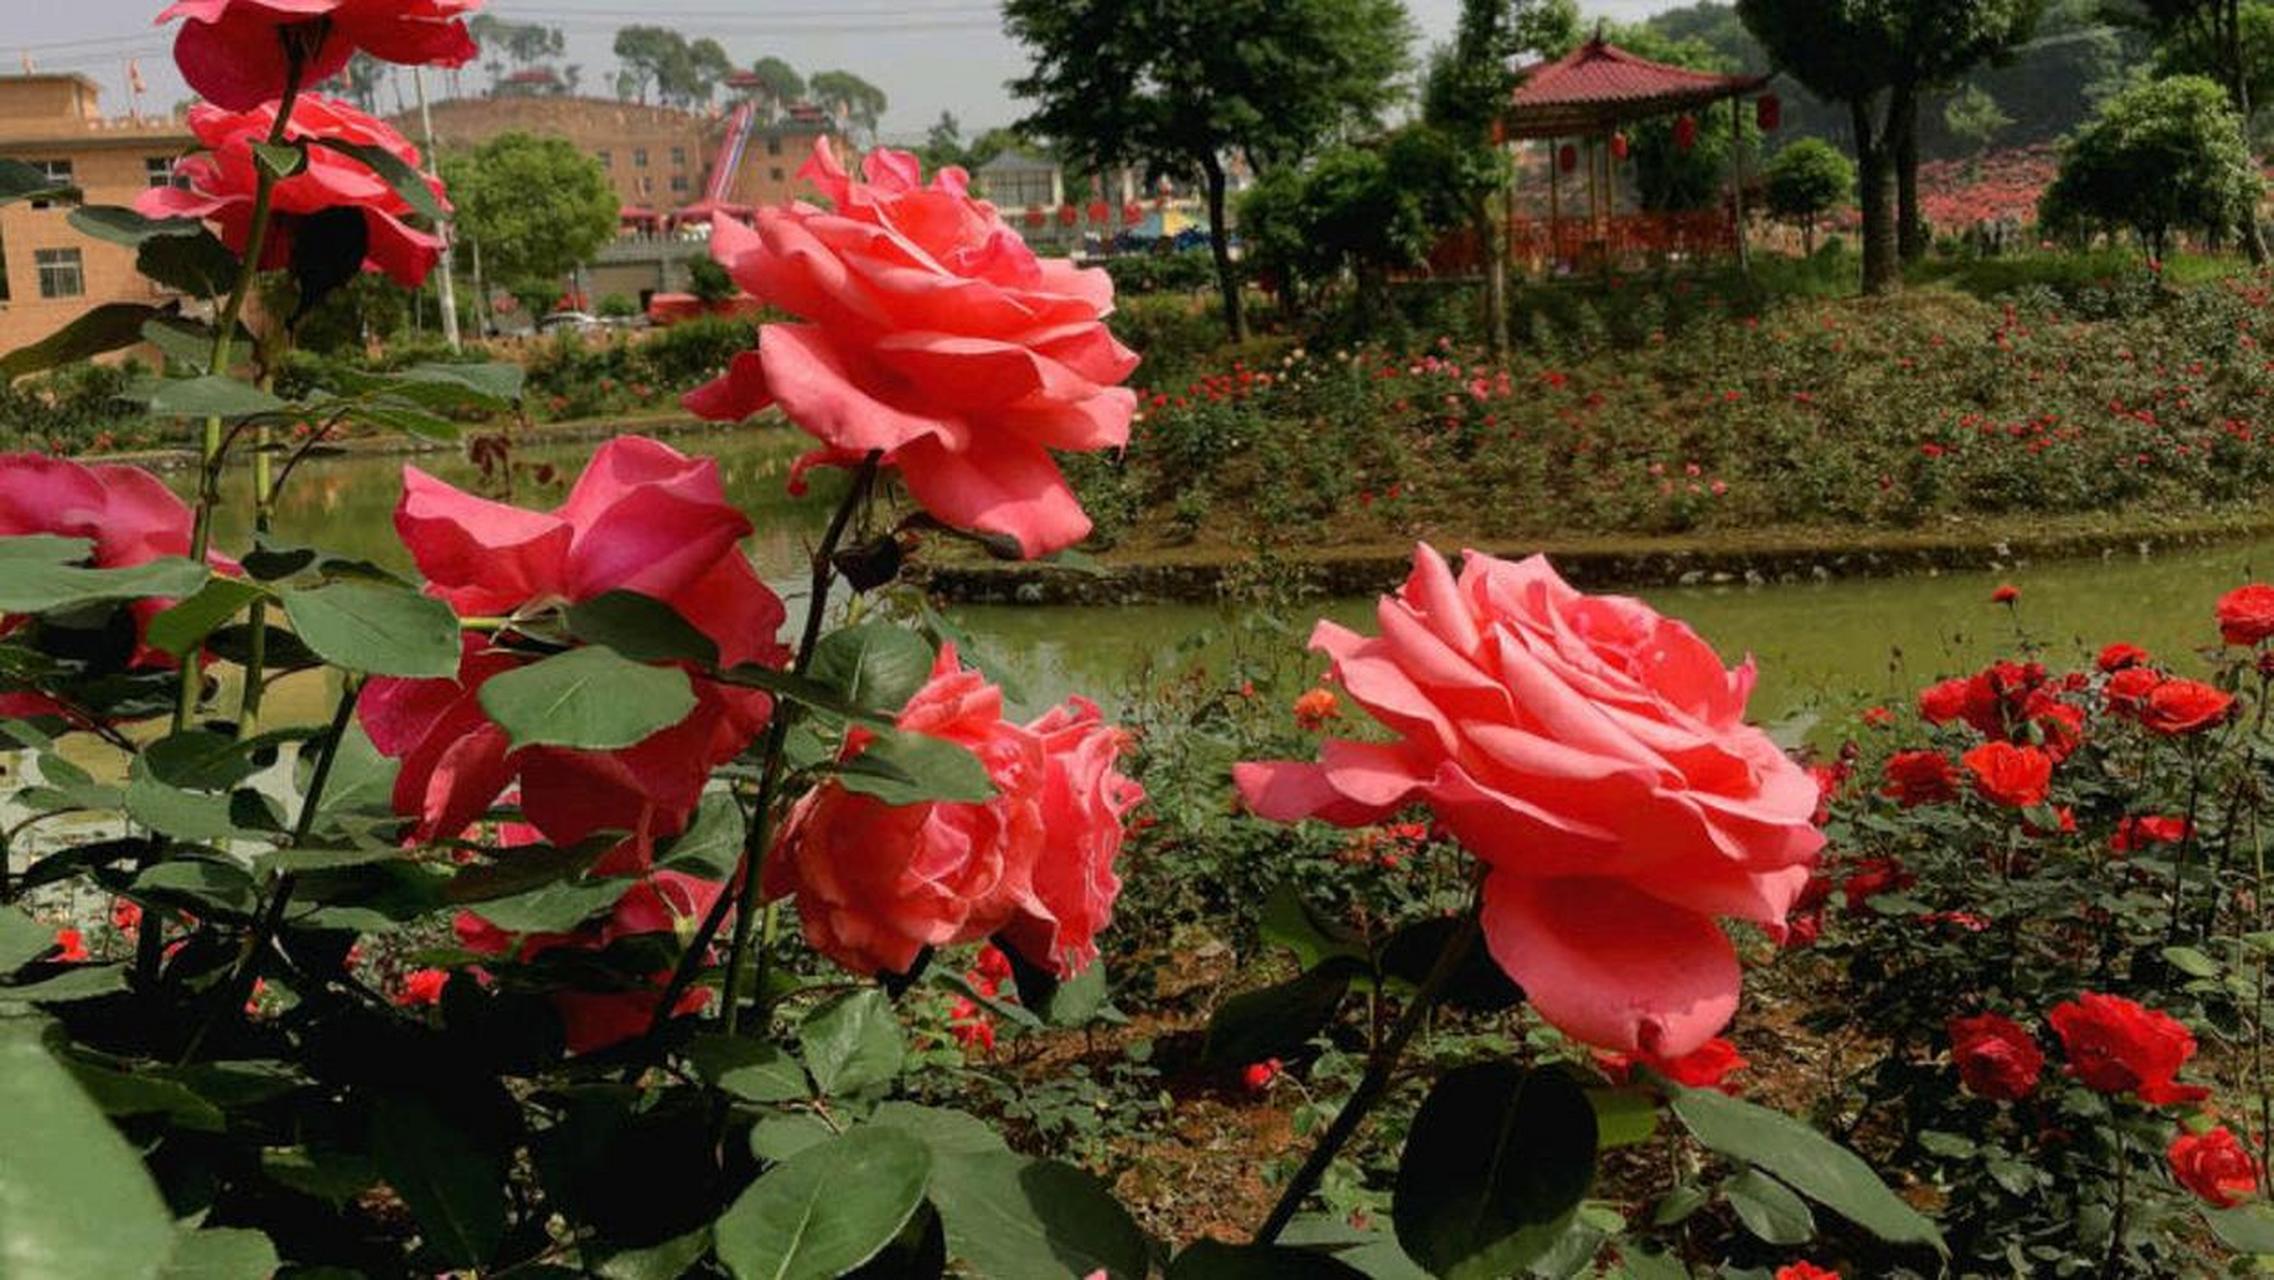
[570, 321]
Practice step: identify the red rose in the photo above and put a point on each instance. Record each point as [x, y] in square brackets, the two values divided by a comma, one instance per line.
[2059, 725]
[877, 883]
[1996, 1058]
[1873, 877]
[2006, 593]
[933, 335]
[219, 185]
[2128, 689]
[1258, 1077]
[1920, 777]
[2246, 614]
[1806, 1271]
[422, 987]
[72, 944]
[2017, 777]
[2118, 1046]
[2117, 657]
[2178, 707]
[643, 518]
[660, 902]
[1708, 1066]
[2135, 833]
[234, 51]
[1947, 700]
[1559, 736]
[2215, 1166]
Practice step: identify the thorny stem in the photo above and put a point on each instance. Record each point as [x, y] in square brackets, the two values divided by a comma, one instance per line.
[1380, 1067]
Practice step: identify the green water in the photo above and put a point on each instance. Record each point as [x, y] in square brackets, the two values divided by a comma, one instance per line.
[1828, 646]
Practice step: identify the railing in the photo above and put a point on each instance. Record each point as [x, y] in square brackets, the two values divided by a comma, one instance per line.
[1578, 244]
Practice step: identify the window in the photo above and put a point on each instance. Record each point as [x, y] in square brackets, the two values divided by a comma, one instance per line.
[679, 157]
[62, 274]
[639, 157]
[53, 171]
[159, 170]
[775, 173]
[774, 145]
[679, 182]
[607, 158]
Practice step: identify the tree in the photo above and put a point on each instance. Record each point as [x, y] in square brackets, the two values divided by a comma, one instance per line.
[649, 56]
[943, 144]
[706, 66]
[538, 207]
[1975, 118]
[863, 103]
[710, 282]
[1178, 86]
[359, 81]
[1879, 57]
[778, 80]
[2160, 157]
[1805, 181]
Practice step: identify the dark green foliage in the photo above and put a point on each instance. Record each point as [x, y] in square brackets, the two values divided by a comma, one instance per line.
[2160, 158]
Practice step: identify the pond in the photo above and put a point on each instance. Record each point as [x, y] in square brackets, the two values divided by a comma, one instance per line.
[1829, 645]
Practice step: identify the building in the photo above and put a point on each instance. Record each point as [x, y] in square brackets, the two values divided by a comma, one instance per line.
[50, 274]
[659, 159]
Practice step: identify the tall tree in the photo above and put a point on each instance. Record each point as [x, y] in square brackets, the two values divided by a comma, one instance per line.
[1879, 57]
[778, 79]
[650, 56]
[1180, 86]
[707, 65]
[2216, 38]
[943, 143]
[863, 103]
[538, 207]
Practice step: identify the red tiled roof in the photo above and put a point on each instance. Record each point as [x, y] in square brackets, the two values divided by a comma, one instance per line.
[1599, 84]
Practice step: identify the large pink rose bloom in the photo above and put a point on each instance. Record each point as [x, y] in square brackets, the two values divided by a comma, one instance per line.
[127, 513]
[234, 52]
[876, 883]
[933, 336]
[642, 518]
[222, 184]
[1594, 755]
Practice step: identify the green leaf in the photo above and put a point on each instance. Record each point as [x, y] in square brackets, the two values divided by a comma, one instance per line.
[641, 628]
[200, 883]
[1769, 1209]
[405, 420]
[20, 181]
[2191, 962]
[874, 665]
[334, 1176]
[752, 1070]
[22, 940]
[121, 1093]
[222, 1253]
[112, 326]
[1313, 935]
[492, 385]
[39, 574]
[1215, 1260]
[590, 698]
[555, 908]
[454, 1187]
[171, 811]
[947, 1132]
[2246, 1228]
[1480, 985]
[187, 342]
[200, 760]
[902, 768]
[198, 265]
[79, 982]
[827, 1209]
[208, 395]
[408, 183]
[1276, 1021]
[1623, 1117]
[671, 1260]
[777, 1138]
[1804, 1160]
[75, 1201]
[280, 160]
[377, 629]
[712, 844]
[1009, 1217]
[853, 1043]
[1494, 1170]
[184, 626]
[121, 225]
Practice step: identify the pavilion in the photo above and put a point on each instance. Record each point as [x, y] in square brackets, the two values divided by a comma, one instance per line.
[1578, 105]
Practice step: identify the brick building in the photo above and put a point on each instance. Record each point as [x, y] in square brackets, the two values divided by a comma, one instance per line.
[50, 274]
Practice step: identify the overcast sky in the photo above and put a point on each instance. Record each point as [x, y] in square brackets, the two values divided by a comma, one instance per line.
[928, 55]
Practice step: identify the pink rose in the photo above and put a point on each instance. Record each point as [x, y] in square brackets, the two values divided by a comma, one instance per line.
[643, 518]
[934, 336]
[1594, 755]
[127, 513]
[876, 883]
[233, 51]
[221, 184]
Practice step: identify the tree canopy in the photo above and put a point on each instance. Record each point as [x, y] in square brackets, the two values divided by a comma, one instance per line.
[779, 79]
[538, 206]
[1805, 181]
[863, 103]
[2160, 157]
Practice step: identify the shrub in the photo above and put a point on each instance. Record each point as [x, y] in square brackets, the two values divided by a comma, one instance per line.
[1807, 180]
[2161, 157]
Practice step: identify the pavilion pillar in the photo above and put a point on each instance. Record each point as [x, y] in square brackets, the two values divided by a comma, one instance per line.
[1555, 206]
[1737, 182]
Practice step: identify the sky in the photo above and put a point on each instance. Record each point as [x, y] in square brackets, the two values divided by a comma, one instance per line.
[929, 56]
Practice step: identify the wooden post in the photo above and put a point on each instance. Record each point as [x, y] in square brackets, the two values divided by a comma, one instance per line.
[1555, 206]
[1737, 182]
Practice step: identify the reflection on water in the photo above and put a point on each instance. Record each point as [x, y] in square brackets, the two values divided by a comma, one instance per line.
[1828, 645]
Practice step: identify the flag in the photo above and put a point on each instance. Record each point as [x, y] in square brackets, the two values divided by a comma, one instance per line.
[134, 76]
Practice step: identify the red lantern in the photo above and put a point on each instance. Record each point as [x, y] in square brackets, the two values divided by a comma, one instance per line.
[1686, 132]
[1068, 215]
[1568, 158]
[1132, 214]
[1768, 112]
[1099, 211]
[1034, 216]
[1618, 146]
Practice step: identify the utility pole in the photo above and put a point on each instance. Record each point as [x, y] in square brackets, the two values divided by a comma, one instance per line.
[446, 286]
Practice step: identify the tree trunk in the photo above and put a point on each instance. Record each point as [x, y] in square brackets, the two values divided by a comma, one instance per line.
[1875, 168]
[1220, 244]
[1493, 241]
[1910, 224]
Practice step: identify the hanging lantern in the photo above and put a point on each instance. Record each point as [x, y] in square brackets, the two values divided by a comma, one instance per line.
[1132, 213]
[1768, 112]
[1567, 159]
[1686, 132]
[1099, 211]
[1068, 215]
[1618, 146]
[1034, 216]
[1500, 133]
